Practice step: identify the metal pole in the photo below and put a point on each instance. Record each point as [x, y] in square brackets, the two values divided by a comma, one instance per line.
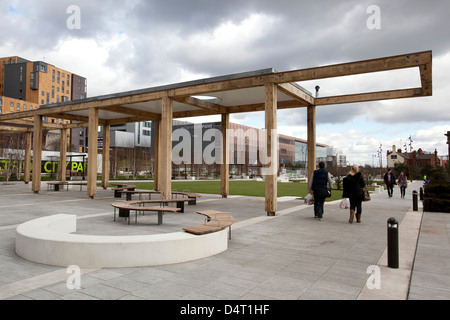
[415, 201]
[392, 241]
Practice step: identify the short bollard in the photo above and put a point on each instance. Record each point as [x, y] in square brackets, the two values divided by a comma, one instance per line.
[415, 201]
[392, 243]
[421, 194]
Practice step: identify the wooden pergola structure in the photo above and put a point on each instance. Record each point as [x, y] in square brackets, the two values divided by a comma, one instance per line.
[263, 90]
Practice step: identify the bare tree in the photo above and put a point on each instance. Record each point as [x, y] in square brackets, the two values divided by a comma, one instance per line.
[14, 156]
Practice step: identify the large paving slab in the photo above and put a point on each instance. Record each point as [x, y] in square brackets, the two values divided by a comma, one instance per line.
[291, 256]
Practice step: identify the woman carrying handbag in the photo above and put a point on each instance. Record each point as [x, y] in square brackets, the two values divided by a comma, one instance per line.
[354, 190]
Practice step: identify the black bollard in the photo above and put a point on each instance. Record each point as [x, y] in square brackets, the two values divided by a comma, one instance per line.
[415, 201]
[421, 194]
[392, 243]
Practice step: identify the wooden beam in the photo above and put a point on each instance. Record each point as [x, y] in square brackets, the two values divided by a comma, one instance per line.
[13, 129]
[373, 96]
[130, 111]
[353, 68]
[216, 108]
[92, 153]
[311, 140]
[128, 120]
[271, 168]
[241, 109]
[105, 156]
[296, 93]
[67, 116]
[26, 170]
[37, 154]
[337, 70]
[426, 79]
[156, 155]
[63, 155]
[165, 154]
[225, 165]
[30, 123]
[76, 125]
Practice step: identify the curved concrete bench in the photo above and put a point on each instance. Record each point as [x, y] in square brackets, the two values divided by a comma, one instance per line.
[49, 240]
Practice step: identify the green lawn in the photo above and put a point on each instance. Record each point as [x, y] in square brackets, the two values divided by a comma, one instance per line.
[245, 188]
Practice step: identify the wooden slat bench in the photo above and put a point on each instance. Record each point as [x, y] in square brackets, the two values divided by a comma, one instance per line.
[215, 221]
[191, 196]
[119, 188]
[65, 183]
[81, 184]
[57, 184]
[126, 206]
[129, 193]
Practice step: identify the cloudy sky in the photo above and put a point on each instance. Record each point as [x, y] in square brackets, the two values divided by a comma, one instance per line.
[134, 44]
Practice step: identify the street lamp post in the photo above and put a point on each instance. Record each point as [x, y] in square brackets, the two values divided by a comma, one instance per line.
[410, 158]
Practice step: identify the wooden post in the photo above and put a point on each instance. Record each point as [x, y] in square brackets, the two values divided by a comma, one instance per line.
[37, 154]
[26, 170]
[105, 156]
[165, 154]
[92, 153]
[225, 165]
[311, 141]
[156, 150]
[271, 168]
[62, 155]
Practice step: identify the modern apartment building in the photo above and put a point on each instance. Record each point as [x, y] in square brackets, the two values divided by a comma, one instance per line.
[26, 85]
[39, 82]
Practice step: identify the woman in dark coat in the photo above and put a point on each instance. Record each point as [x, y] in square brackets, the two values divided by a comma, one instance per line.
[354, 190]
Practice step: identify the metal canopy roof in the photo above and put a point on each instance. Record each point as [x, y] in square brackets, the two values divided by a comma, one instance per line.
[242, 92]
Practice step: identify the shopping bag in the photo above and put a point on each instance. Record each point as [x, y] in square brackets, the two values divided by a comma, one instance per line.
[308, 198]
[366, 195]
[344, 204]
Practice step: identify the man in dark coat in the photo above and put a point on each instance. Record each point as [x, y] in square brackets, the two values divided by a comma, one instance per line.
[318, 187]
[389, 180]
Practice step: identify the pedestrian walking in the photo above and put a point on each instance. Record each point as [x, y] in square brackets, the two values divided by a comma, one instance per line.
[318, 187]
[389, 180]
[354, 190]
[403, 184]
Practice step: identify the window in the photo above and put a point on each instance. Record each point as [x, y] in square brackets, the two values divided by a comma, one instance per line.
[24, 107]
[58, 77]
[53, 92]
[18, 107]
[53, 75]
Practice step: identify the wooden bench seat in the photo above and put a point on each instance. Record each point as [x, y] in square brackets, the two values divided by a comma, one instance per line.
[126, 206]
[120, 188]
[215, 221]
[81, 184]
[129, 193]
[191, 196]
[57, 184]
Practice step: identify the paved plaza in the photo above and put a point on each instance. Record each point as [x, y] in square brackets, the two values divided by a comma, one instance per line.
[291, 256]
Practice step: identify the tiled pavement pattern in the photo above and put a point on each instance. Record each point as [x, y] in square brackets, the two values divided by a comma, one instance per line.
[288, 257]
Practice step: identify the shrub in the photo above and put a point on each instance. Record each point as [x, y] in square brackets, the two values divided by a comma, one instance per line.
[437, 197]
